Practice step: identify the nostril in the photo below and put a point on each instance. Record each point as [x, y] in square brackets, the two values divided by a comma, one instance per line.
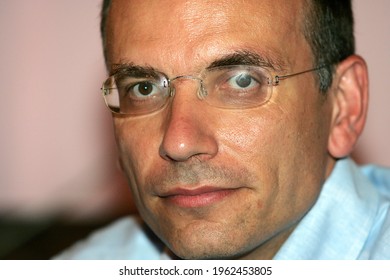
[186, 137]
[177, 154]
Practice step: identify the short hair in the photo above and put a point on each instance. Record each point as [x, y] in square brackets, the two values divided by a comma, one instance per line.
[327, 27]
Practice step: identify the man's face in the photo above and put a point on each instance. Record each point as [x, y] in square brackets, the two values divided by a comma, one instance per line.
[211, 182]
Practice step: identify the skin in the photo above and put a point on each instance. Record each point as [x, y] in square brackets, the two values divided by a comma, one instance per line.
[245, 177]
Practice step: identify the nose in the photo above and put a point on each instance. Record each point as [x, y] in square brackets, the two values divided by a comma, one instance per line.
[187, 130]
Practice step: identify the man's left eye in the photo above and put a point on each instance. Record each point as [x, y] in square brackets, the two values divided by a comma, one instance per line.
[242, 81]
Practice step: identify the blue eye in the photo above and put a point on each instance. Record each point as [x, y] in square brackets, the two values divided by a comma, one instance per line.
[243, 81]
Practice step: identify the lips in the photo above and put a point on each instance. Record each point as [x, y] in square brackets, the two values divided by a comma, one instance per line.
[200, 197]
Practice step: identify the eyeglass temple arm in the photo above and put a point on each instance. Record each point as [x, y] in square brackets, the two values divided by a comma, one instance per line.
[278, 78]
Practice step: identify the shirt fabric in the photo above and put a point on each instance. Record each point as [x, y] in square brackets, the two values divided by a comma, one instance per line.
[350, 220]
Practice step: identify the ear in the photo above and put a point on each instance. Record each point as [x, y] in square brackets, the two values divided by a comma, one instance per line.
[350, 101]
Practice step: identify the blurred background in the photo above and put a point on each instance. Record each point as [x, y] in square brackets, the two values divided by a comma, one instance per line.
[58, 176]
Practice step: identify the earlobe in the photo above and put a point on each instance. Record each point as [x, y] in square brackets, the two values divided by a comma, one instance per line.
[350, 101]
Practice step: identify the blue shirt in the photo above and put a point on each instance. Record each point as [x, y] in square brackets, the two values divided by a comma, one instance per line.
[350, 220]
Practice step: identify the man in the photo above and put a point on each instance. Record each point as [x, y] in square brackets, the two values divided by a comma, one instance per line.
[234, 121]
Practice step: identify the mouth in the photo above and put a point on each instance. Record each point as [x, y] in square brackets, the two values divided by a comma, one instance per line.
[195, 198]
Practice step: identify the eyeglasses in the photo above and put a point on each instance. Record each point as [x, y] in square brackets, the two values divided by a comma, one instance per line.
[140, 92]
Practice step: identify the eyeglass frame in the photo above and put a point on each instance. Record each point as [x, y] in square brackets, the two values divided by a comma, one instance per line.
[273, 80]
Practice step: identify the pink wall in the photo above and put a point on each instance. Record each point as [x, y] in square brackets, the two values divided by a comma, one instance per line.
[57, 150]
[373, 43]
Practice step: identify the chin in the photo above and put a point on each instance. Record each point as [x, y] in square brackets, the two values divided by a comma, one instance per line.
[208, 245]
[205, 254]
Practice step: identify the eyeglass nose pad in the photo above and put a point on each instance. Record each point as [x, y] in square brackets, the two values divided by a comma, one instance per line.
[202, 92]
[172, 92]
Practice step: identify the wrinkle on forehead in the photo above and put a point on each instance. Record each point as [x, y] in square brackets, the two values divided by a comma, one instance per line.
[199, 27]
[202, 20]
[239, 14]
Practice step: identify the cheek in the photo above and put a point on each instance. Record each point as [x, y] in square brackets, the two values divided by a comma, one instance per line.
[247, 136]
[138, 147]
[285, 148]
[253, 142]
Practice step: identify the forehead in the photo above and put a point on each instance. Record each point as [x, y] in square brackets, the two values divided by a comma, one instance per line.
[183, 29]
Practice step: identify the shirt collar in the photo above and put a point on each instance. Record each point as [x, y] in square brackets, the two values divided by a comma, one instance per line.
[339, 223]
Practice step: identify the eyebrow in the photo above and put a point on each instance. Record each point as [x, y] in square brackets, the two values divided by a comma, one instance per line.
[245, 57]
[241, 57]
[130, 69]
